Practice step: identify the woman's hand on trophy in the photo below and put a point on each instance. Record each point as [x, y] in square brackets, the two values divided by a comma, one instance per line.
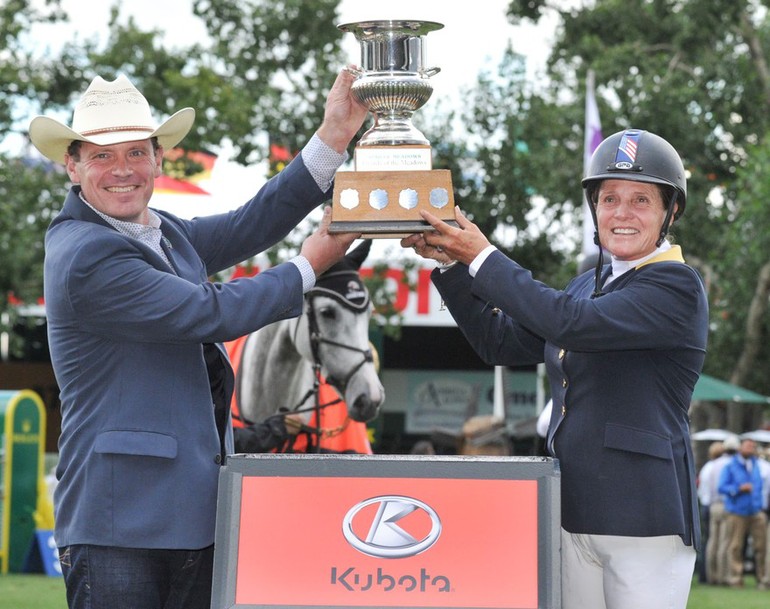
[431, 252]
[446, 243]
[343, 114]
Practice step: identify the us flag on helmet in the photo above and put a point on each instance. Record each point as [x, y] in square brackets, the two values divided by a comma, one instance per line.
[628, 147]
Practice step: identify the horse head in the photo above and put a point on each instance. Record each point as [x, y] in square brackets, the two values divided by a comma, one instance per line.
[334, 334]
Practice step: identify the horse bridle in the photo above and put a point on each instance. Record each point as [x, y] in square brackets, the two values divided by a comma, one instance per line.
[316, 340]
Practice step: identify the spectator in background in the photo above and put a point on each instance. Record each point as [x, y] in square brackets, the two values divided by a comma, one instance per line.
[741, 484]
[764, 467]
[717, 557]
[707, 496]
[716, 561]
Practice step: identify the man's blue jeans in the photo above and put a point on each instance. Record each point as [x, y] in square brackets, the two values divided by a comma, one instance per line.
[100, 577]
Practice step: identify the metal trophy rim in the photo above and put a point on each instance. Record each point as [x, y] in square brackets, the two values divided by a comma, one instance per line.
[418, 27]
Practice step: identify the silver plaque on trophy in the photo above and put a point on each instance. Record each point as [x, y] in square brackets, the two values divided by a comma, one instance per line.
[393, 176]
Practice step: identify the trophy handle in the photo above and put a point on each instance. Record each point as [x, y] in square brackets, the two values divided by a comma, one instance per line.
[430, 71]
[358, 73]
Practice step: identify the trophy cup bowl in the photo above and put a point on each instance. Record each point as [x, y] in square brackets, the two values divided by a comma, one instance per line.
[392, 101]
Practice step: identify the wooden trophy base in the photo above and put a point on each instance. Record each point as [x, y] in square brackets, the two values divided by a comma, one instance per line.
[387, 204]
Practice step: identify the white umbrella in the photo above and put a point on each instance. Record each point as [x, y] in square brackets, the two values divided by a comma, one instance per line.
[712, 434]
[759, 435]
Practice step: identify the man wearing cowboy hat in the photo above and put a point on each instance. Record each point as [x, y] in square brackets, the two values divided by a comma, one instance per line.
[135, 329]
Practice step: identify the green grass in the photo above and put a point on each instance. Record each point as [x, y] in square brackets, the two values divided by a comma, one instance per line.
[42, 592]
[719, 597]
[32, 592]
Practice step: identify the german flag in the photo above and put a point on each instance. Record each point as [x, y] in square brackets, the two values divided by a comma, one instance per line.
[171, 186]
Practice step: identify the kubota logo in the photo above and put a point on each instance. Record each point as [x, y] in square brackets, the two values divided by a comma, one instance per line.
[391, 526]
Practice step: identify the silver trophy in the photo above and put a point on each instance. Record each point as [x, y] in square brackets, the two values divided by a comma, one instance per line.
[394, 81]
[393, 177]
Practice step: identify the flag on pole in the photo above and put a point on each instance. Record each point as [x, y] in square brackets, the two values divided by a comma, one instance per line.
[167, 185]
[592, 139]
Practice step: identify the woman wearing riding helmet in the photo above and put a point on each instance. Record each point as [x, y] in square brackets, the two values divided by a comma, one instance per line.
[623, 349]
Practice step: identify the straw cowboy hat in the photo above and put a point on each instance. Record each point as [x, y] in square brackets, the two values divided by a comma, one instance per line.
[108, 113]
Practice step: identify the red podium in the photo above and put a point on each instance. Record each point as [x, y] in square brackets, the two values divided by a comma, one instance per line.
[387, 531]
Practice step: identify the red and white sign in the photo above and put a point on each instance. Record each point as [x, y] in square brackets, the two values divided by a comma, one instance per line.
[419, 305]
[387, 542]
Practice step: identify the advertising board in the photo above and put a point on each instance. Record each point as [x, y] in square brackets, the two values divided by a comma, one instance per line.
[387, 531]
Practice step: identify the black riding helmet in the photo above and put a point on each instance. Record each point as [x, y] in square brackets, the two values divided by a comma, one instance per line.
[638, 156]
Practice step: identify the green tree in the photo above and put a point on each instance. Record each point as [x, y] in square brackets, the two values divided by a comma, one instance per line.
[29, 192]
[20, 76]
[740, 303]
[516, 168]
[278, 60]
[262, 75]
[29, 198]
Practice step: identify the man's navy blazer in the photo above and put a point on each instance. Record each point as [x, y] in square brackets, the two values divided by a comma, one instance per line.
[621, 367]
[140, 451]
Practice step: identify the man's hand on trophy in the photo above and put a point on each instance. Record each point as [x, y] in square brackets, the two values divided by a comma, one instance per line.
[322, 249]
[446, 243]
[343, 115]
